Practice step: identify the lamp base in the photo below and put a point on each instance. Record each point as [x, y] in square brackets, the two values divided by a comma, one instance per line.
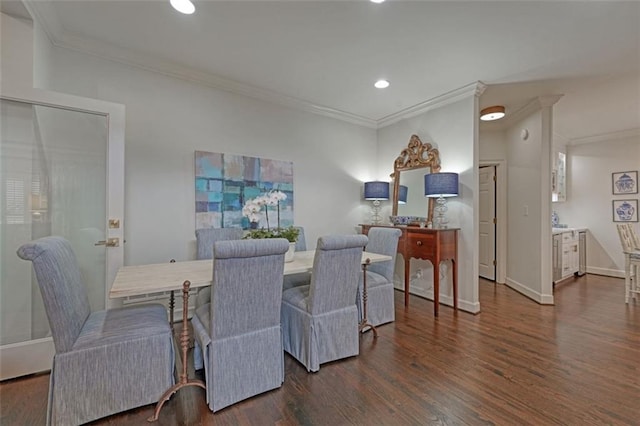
[440, 221]
[375, 216]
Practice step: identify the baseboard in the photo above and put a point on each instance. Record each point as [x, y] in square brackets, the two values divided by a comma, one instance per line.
[463, 305]
[616, 273]
[543, 299]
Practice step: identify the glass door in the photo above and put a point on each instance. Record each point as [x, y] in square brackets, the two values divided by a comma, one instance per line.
[54, 175]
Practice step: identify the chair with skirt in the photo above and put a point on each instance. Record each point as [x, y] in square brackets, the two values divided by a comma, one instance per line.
[631, 248]
[380, 292]
[105, 361]
[302, 278]
[205, 237]
[320, 320]
[239, 330]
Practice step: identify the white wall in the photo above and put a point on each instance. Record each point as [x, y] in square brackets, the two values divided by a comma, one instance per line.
[16, 45]
[452, 129]
[589, 197]
[168, 119]
[529, 203]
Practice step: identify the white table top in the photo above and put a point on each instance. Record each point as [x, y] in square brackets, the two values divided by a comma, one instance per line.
[159, 277]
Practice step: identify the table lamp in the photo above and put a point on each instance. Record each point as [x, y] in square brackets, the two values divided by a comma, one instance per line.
[376, 191]
[440, 186]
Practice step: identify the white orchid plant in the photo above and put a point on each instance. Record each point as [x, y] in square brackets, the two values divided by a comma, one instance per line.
[252, 211]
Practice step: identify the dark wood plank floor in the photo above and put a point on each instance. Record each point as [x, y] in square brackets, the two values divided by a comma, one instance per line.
[516, 363]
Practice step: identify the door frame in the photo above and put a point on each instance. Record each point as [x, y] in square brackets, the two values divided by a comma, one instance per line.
[36, 355]
[501, 216]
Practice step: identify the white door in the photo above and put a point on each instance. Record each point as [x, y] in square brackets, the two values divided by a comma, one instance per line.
[61, 173]
[487, 249]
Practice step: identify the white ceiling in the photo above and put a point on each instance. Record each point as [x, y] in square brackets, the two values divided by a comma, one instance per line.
[326, 55]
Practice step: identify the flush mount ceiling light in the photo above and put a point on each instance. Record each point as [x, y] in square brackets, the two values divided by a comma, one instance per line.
[377, 1]
[381, 84]
[183, 6]
[492, 113]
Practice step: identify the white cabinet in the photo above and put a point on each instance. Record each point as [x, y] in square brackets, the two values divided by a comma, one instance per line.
[567, 248]
[570, 254]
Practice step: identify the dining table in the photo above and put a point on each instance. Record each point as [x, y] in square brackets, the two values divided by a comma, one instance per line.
[136, 280]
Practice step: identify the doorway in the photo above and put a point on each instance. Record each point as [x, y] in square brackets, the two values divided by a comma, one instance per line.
[61, 173]
[488, 220]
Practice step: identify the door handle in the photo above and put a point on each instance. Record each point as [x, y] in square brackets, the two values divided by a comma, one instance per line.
[109, 242]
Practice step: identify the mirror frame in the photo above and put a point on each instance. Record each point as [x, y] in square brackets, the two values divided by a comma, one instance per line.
[417, 155]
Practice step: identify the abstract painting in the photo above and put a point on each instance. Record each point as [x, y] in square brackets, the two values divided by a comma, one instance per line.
[224, 182]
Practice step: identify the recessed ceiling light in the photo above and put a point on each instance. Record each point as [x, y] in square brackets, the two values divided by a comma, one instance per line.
[183, 6]
[377, 1]
[381, 84]
[492, 113]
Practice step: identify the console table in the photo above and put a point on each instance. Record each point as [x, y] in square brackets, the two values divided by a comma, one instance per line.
[434, 245]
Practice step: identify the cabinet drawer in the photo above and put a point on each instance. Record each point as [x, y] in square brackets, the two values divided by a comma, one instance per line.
[569, 237]
[419, 245]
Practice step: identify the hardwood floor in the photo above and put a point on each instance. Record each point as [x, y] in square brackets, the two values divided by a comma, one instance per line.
[515, 363]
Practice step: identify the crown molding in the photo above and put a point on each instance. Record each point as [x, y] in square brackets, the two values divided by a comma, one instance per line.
[529, 108]
[46, 17]
[170, 69]
[473, 89]
[606, 137]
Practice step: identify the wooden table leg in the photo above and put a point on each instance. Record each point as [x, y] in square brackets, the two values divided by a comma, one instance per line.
[172, 303]
[184, 345]
[454, 265]
[436, 287]
[407, 279]
[365, 323]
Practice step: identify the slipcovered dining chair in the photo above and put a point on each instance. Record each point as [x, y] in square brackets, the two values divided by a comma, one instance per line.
[205, 237]
[106, 361]
[301, 242]
[380, 292]
[631, 248]
[239, 330]
[320, 320]
[302, 278]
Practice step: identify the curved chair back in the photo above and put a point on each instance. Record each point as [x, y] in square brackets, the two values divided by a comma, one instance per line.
[383, 241]
[336, 272]
[301, 242]
[246, 292]
[63, 292]
[205, 237]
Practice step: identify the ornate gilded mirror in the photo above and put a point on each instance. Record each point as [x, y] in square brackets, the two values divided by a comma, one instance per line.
[409, 169]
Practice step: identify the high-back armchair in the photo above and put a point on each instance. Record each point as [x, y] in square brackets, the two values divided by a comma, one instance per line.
[239, 330]
[205, 237]
[380, 292]
[106, 361]
[302, 278]
[320, 320]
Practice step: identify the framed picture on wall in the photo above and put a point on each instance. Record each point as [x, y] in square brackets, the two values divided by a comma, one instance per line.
[624, 182]
[625, 210]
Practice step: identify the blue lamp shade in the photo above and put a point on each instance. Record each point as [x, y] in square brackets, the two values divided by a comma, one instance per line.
[376, 190]
[441, 184]
[402, 194]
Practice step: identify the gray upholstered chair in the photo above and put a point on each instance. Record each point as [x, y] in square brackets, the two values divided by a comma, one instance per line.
[301, 242]
[239, 330]
[380, 300]
[105, 361]
[320, 320]
[303, 278]
[205, 237]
